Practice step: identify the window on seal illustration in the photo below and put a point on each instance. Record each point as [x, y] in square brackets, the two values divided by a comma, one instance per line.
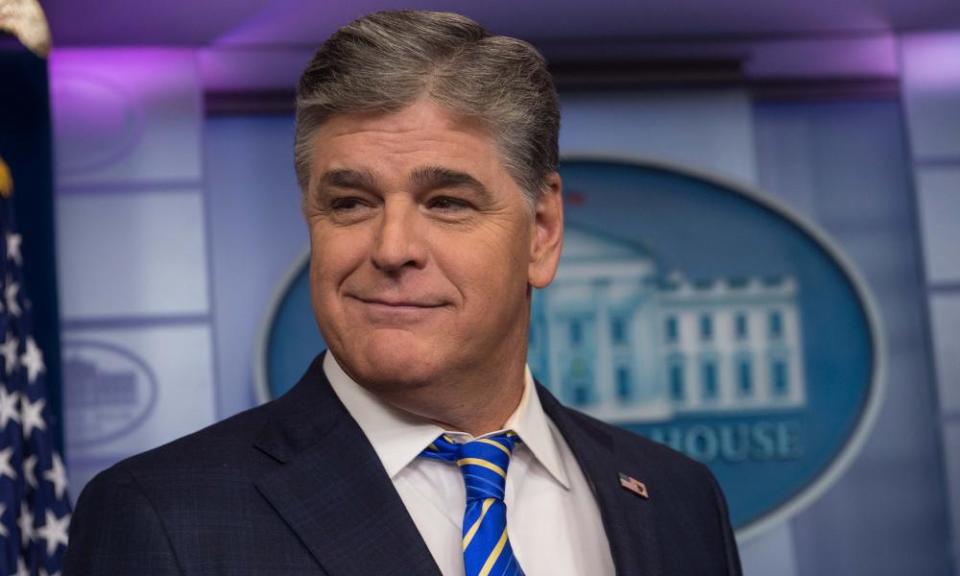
[618, 330]
[676, 375]
[624, 385]
[744, 377]
[708, 379]
[671, 330]
[740, 327]
[706, 327]
[581, 394]
[576, 332]
[779, 377]
[775, 325]
[580, 383]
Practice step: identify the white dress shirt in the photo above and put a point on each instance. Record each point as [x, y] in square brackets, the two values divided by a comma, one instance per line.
[552, 517]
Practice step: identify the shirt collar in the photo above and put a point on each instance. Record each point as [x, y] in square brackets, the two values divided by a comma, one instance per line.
[398, 437]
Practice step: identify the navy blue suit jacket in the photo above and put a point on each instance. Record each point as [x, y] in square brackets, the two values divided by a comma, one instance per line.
[294, 487]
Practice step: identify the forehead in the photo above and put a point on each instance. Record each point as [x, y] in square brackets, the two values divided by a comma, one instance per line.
[421, 131]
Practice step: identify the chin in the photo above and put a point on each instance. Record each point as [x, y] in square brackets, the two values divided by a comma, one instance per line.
[391, 360]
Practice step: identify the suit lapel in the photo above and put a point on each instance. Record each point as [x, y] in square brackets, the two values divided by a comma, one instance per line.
[627, 518]
[332, 490]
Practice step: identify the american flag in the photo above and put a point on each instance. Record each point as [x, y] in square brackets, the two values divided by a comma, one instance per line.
[34, 506]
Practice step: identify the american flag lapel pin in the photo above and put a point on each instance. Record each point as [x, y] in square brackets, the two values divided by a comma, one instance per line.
[631, 484]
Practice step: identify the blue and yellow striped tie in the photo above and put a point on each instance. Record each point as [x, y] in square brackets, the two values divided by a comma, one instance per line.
[483, 463]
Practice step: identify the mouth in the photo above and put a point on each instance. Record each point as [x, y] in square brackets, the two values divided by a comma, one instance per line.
[400, 303]
[397, 312]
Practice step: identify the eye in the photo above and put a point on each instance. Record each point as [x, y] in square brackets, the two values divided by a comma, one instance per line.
[347, 204]
[350, 209]
[448, 204]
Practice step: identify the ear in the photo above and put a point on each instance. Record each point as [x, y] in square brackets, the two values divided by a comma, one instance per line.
[547, 240]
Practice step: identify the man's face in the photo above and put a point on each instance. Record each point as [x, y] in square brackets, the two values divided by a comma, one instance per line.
[422, 246]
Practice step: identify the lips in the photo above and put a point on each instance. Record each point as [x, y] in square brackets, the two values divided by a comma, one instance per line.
[390, 303]
[400, 303]
[395, 312]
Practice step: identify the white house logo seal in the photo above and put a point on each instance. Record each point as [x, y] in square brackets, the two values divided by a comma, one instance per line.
[109, 392]
[695, 312]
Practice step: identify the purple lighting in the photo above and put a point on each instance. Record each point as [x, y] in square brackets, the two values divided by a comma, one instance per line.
[237, 69]
[932, 61]
[121, 113]
[856, 57]
[149, 68]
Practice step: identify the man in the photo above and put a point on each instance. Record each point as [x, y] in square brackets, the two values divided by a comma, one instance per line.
[426, 151]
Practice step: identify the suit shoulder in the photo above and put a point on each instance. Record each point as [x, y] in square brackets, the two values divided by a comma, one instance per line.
[221, 449]
[213, 446]
[641, 449]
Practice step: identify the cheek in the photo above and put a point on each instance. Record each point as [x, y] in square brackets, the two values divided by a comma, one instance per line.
[319, 288]
[332, 258]
[490, 270]
[505, 250]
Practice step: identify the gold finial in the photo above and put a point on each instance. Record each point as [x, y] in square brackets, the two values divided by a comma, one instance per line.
[25, 20]
[6, 180]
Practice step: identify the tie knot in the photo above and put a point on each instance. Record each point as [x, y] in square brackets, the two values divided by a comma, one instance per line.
[483, 462]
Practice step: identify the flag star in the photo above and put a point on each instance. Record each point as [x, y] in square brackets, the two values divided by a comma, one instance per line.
[13, 247]
[26, 524]
[9, 407]
[9, 351]
[57, 475]
[5, 468]
[3, 525]
[30, 470]
[32, 414]
[10, 293]
[45, 573]
[32, 360]
[22, 569]
[54, 531]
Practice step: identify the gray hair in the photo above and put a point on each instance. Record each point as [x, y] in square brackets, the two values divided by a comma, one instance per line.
[385, 61]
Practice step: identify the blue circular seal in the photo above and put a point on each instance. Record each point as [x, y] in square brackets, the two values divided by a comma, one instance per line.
[695, 312]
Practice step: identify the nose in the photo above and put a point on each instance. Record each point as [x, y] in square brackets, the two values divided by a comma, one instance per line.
[399, 243]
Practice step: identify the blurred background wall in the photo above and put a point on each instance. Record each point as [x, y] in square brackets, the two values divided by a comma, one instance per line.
[177, 210]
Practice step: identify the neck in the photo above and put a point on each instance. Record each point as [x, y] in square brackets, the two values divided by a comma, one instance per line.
[477, 406]
[477, 418]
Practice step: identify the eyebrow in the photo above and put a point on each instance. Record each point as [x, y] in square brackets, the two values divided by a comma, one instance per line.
[435, 177]
[426, 178]
[346, 178]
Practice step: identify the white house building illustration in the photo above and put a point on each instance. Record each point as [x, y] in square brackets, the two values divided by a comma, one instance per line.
[618, 339]
[98, 399]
